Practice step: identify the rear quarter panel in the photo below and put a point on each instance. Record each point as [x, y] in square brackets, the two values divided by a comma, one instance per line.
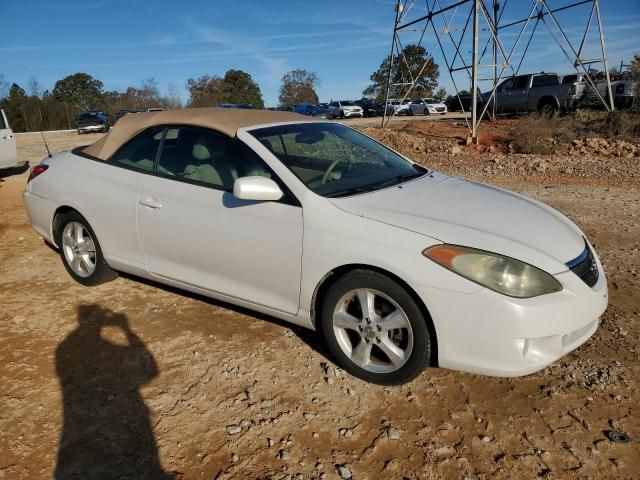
[105, 195]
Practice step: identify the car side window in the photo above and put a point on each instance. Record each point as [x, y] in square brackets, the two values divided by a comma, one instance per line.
[506, 85]
[206, 157]
[140, 152]
[542, 80]
[520, 82]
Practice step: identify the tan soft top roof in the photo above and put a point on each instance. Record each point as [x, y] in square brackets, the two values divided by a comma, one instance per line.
[225, 120]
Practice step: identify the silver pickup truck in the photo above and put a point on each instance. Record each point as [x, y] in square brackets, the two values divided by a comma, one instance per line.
[622, 89]
[536, 92]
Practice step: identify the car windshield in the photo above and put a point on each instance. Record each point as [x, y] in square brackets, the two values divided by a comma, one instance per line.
[347, 103]
[335, 161]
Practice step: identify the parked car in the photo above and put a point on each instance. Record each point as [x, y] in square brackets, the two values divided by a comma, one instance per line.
[8, 152]
[401, 106]
[622, 89]
[427, 106]
[311, 110]
[380, 108]
[246, 106]
[92, 121]
[398, 266]
[391, 107]
[345, 109]
[537, 92]
[368, 107]
[126, 111]
[455, 104]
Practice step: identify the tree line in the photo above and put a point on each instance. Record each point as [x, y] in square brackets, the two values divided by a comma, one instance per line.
[38, 109]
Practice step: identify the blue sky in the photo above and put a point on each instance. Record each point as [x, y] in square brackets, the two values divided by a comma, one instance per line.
[123, 42]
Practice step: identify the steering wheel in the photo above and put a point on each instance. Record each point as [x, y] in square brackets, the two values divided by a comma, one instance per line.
[325, 177]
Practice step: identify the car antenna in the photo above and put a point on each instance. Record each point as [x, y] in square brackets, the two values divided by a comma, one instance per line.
[42, 133]
[45, 144]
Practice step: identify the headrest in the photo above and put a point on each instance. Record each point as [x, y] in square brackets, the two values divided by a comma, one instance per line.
[208, 147]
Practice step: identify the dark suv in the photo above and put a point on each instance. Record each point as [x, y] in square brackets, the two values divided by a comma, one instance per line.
[368, 107]
[93, 121]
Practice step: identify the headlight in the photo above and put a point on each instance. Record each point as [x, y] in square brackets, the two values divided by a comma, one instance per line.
[501, 274]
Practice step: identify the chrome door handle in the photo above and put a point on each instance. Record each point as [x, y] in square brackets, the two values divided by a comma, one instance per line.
[150, 202]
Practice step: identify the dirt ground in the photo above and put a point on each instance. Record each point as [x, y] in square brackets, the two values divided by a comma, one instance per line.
[213, 391]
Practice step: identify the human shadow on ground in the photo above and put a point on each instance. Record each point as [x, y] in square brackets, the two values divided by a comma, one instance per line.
[106, 431]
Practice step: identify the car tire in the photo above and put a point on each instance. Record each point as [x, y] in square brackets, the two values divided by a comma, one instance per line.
[79, 131]
[410, 112]
[548, 110]
[80, 250]
[341, 114]
[426, 111]
[366, 345]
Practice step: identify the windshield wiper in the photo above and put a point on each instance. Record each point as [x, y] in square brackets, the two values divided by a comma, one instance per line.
[375, 186]
[400, 178]
[353, 190]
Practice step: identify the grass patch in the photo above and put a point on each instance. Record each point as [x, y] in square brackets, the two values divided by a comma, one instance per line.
[536, 134]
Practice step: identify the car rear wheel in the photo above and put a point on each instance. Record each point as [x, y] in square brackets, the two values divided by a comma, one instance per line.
[548, 110]
[80, 250]
[375, 329]
[410, 112]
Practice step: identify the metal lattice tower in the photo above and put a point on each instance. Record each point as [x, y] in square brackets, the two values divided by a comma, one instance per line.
[444, 28]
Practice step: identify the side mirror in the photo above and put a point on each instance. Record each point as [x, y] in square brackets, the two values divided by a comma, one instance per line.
[256, 188]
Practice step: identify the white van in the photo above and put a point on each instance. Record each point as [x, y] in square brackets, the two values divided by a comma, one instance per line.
[8, 153]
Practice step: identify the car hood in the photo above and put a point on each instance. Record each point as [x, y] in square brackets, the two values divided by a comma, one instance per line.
[475, 215]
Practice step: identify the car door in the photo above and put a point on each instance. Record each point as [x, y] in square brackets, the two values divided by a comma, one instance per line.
[108, 192]
[8, 153]
[194, 231]
[417, 106]
[519, 98]
[502, 96]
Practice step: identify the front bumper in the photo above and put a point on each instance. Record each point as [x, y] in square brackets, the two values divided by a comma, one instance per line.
[492, 334]
[91, 128]
[348, 114]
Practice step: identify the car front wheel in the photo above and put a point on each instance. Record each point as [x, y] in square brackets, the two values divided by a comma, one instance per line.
[375, 329]
[80, 251]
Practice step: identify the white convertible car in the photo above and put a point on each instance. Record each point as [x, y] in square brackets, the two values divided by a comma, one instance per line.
[397, 266]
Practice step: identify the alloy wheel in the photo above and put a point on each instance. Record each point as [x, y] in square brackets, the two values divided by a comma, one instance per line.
[372, 330]
[79, 249]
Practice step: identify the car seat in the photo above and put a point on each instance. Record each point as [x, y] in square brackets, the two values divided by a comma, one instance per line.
[209, 163]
